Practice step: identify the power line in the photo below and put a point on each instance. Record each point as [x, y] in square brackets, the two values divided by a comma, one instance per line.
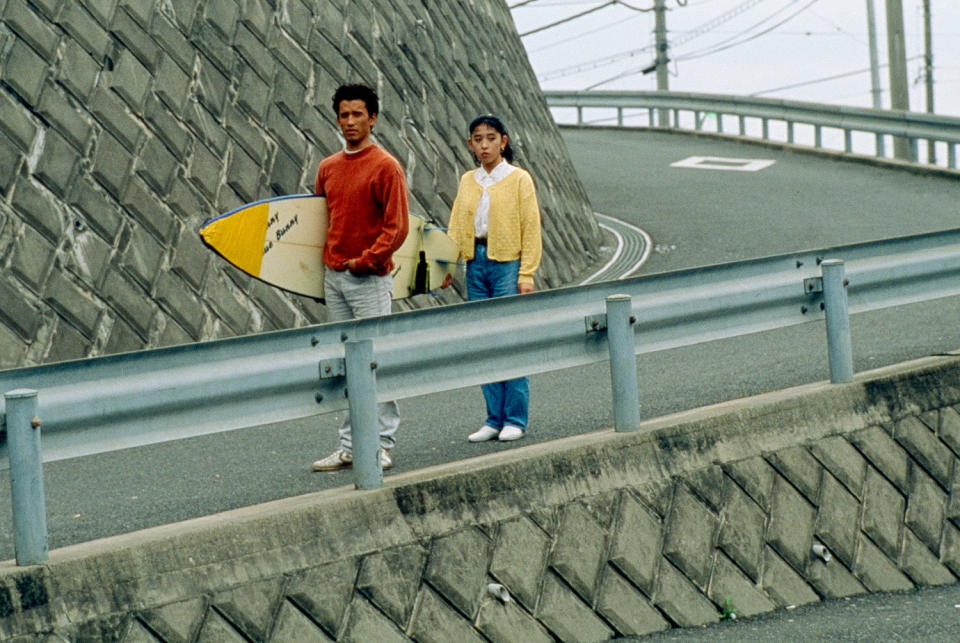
[569, 18]
[703, 53]
[821, 80]
[694, 33]
[753, 37]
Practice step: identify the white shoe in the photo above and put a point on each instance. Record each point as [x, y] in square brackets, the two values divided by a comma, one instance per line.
[341, 459]
[510, 432]
[484, 433]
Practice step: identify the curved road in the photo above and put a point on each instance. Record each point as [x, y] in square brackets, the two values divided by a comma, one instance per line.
[694, 216]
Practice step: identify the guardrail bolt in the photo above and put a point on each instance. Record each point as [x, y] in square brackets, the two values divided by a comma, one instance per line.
[846, 282]
[594, 324]
[343, 337]
[327, 368]
[373, 366]
[823, 306]
[803, 310]
[35, 423]
[318, 397]
[633, 320]
[314, 340]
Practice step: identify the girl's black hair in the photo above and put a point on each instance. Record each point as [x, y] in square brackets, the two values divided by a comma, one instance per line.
[497, 124]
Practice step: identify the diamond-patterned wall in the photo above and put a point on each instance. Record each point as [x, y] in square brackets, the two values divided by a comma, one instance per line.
[124, 124]
[627, 552]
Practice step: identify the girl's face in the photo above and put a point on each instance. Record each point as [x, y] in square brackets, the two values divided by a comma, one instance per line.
[487, 145]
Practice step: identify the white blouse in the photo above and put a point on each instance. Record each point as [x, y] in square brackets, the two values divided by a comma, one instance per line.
[481, 221]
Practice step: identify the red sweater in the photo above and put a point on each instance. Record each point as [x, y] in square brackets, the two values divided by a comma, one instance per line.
[367, 200]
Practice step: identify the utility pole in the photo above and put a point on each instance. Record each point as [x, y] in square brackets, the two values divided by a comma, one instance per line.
[875, 70]
[660, 32]
[897, 57]
[928, 71]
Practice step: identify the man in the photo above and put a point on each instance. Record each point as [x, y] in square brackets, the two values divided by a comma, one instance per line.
[367, 200]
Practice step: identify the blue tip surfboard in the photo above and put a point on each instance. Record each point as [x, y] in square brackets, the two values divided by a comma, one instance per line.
[280, 241]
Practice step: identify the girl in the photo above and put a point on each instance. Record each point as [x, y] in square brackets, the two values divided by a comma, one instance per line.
[495, 221]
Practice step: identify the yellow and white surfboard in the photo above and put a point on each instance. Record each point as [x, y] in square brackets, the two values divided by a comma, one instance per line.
[280, 241]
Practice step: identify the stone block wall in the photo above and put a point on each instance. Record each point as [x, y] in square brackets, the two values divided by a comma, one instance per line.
[124, 124]
[698, 515]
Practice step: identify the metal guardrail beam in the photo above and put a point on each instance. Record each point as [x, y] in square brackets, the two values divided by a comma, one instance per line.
[103, 404]
[114, 402]
[912, 125]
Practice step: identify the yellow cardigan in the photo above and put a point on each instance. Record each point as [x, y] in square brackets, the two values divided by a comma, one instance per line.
[514, 231]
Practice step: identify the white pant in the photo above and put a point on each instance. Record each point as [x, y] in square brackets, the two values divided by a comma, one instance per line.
[348, 297]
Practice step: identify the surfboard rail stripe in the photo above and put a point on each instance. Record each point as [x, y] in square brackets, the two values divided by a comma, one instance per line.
[280, 242]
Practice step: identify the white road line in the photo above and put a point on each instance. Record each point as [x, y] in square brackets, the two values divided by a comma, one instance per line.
[613, 259]
[647, 249]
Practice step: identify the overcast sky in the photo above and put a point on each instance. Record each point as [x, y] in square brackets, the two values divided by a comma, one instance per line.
[719, 46]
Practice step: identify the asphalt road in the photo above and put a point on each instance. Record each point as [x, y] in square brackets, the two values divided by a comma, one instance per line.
[695, 217]
[929, 615]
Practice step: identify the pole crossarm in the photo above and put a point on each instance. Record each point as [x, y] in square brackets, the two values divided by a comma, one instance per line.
[108, 403]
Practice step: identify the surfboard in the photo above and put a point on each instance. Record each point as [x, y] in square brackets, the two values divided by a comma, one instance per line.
[280, 241]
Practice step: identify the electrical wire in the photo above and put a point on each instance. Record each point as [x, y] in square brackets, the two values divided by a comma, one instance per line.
[569, 18]
[557, 43]
[715, 50]
[823, 80]
[702, 53]
[694, 33]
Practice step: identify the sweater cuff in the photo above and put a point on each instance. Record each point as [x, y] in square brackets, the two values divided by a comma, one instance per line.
[525, 279]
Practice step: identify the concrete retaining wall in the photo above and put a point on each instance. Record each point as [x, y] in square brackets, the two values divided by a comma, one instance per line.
[700, 513]
[124, 124]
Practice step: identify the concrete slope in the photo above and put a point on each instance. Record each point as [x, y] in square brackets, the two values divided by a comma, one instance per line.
[127, 124]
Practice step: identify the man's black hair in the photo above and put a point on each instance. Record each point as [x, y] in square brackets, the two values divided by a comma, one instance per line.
[356, 91]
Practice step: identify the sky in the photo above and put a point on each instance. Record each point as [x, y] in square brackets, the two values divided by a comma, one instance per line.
[772, 48]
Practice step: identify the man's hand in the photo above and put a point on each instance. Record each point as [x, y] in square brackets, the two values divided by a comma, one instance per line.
[525, 288]
[447, 280]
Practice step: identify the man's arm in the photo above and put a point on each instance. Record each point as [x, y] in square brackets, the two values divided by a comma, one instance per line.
[393, 193]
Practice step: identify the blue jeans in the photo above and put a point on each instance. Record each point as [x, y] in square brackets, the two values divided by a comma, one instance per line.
[507, 402]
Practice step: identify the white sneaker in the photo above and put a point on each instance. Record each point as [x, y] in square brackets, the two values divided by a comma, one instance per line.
[484, 433]
[510, 432]
[341, 459]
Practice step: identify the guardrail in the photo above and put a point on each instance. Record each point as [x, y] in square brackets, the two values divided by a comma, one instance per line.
[115, 402]
[674, 106]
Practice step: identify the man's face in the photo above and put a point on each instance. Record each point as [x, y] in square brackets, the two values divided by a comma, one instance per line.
[355, 123]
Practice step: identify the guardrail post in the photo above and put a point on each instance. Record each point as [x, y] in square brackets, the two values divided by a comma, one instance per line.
[579, 115]
[623, 363]
[26, 477]
[362, 397]
[839, 348]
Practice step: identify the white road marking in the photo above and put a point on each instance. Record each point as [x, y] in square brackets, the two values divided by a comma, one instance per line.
[723, 163]
[647, 248]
